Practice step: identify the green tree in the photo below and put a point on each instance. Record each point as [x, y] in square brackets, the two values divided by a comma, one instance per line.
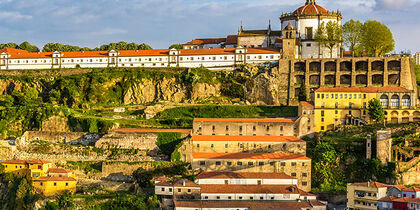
[65, 200]
[145, 47]
[302, 93]
[352, 31]
[376, 111]
[325, 164]
[9, 45]
[376, 39]
[167, 142]
[143, 177]
[176, 46]
[28, 47]
[329, 36]
[30, 95]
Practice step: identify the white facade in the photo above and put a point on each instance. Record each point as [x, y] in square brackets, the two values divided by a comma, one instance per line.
[250, 196]
[209, 58]
[248, 181]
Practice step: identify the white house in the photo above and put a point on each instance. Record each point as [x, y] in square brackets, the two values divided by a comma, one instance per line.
[191, 58]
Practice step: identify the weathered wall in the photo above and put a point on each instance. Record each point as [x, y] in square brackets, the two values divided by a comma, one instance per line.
[50, 136]
[142, 141]
[346, 72]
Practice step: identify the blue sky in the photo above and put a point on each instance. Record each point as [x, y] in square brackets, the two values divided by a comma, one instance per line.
[163, 22]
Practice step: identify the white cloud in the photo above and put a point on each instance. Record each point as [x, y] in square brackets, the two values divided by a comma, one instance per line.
[392, 4]
[13, 16]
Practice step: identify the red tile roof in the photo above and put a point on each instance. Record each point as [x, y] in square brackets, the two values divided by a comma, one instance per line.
[151, 130]
[388, 199]
[361, 89]
[248, 189]
[371, 184]
[185, 183]
[267, 120]
[13, 162]
[58, 171]
[250, 156]
[162, 179]
[38, 162]
[24, 162]
[311, 9]
[242, 175]
[178, 183]
[19, 54]
[252, 205]
[206, 41]
[49, 178]
[305, 103]
[232, 40]
[247, 138]
[407, 200]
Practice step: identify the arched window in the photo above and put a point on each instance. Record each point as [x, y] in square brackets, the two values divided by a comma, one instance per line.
[395, 101]
[384, 100]
[406, 100]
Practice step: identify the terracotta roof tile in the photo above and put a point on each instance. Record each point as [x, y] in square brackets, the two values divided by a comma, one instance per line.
[232, 40]
[361, 89]
[388, 199]
[48, 178]
[252, 205]
[311, 9]
[371, 184]
[162, 179]
[19, 54]
[242, 175]
[206, 41]
[25, 161]
[407, 200]
[185, 183]
[151, 130]
[268, 120]
[247, 138]
[305, 103]
[13, 162]
[250, 156]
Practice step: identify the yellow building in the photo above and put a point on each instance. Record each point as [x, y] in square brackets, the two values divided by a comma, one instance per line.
[29, 169]
[47, 180]
[50, 186]
[365, 195]
[338, 106]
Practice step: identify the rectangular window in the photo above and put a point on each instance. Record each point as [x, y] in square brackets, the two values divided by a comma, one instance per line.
[202, 163]
[250, 163]
[322, 113]
[293, 174]
[261, 163]
[283, 163]
[293, 163]
[229, 163]
[239, 163]
[163, 189]
[67, 184]
[218, 163]
[304, 175]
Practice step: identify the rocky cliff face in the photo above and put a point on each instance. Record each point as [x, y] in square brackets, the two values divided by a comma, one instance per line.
[263, 88]
[169, 89]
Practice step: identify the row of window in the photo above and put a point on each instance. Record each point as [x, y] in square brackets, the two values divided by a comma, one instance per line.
[55, 184]
[254, 128]
[214, 58]
[250, 197]
[240, 163]
[170, 189]
[341, 96]
[284, 146]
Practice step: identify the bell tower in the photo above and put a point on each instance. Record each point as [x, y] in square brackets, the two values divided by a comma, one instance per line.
[289, 42]
[308, 2]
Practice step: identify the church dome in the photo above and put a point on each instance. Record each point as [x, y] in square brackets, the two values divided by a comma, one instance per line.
[311, 8]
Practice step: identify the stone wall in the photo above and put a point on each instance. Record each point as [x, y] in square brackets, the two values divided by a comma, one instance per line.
[119, 171]
[142, 141]
[52, 137]
[346, 72]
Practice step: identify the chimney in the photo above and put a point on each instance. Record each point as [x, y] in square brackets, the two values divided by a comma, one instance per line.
[368, 183]
[183, 183]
